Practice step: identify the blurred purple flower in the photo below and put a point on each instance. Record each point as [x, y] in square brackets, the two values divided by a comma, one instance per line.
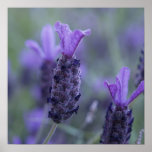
[33, 120]
[16, 140]
[119, 90]
[133, 37]
[39, 58]
[49, 50]
[69, 39]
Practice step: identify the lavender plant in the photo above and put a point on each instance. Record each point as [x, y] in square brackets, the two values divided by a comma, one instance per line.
[47, 54]
[66, 76]
[65, 94]
[27, 96]
[119, 119]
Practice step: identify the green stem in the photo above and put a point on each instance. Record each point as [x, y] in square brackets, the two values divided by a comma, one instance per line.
[49, 136]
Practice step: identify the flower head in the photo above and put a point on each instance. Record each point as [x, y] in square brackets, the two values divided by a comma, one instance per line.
[119, 90]
[48, 50]
[69, 39]
[65, 90]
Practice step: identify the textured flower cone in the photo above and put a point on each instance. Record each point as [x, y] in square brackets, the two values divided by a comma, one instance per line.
[65, 89]
[46, 78]
[118, 125]
[140, 73]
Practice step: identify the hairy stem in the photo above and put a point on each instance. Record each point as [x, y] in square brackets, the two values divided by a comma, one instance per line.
[50, 134]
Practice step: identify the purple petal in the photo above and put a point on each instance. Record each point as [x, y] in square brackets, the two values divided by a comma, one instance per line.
[69, 39]
[118, 93]
[123, 77]
[48, 42]
[33, 45]
[112, 89]
[136, 93]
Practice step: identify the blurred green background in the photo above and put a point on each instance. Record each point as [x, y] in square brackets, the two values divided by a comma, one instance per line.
[116, 40]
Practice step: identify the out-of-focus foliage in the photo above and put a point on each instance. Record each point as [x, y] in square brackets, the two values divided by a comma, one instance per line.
[116, 41]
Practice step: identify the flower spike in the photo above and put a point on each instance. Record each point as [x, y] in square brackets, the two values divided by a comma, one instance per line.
[65, 91]
[119, 118]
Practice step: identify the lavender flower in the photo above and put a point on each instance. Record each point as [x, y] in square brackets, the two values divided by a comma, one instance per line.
[119, 119]
[29, 140]
[47, 53]
[65, 93]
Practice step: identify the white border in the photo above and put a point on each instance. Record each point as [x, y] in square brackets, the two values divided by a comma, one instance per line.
[5, 4]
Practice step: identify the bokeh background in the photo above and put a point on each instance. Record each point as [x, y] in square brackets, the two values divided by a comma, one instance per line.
[116, 40]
